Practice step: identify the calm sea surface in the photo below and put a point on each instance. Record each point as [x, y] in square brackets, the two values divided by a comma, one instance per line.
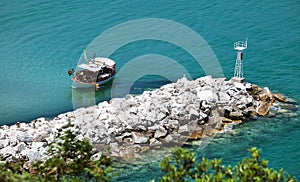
[41, 40]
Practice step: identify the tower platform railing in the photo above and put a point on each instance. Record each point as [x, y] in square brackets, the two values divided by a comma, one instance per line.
[240, 45]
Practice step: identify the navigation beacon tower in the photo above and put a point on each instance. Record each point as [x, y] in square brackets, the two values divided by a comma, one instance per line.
[239, 46]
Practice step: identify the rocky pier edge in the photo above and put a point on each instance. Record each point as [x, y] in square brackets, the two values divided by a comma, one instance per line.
[167, 116]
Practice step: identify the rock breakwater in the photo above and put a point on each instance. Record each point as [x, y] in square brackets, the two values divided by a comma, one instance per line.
[168, 116]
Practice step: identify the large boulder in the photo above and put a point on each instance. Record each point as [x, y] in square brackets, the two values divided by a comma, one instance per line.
[280, 98]
[7, 152]
[193, 114]
[160, 132]
[205, 95]
[21, 146]
[236, 115]
[139, 138]
[263, 108]
[154, 142]
[4, 143]
[24, 137]
[31, 154]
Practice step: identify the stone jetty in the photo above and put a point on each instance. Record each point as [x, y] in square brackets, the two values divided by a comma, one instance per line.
[171, 115]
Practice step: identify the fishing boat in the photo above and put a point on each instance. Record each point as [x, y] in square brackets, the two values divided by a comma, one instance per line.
[94, 73]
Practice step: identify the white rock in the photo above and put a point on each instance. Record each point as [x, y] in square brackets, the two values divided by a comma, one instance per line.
[24, 126]
[60, 116]
[103, 116]
[249, 100]
[240, 86]
[140, 139]
[13, 141]
[42, 119]
[224, 96]
[4, 143]
[248, 86]
[151, 117]
[32, 154]
[21, 146]
[43, 154]
[268, 91]
[96, 156]
[7, 152]
[41, 136]
[154, 142]
[153, 128]
[4, 127]
[204, 80]
[205, 95]
[141, 127]
[173, 124]
[3, 135]
[91, 109]
[202, 115]
[114, 147]
[160, 132]
[133, 110]
[193, 114]
[126, 134]
[89, 118]
[183, 129]
[79, 112]
[161, 116]
[116, 104]
[38, 145]
[231, 92]
[24, 137]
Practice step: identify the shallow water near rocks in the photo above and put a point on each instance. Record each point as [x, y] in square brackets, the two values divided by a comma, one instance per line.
[232, 147]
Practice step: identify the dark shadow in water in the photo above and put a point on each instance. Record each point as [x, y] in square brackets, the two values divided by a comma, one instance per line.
[84, 97]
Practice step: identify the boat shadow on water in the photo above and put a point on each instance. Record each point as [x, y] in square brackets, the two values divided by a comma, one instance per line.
[88, 96]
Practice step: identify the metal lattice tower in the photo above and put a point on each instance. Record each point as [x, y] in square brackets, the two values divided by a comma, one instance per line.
[239, 46]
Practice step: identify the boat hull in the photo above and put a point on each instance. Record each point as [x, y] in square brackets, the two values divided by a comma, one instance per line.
[79, 84]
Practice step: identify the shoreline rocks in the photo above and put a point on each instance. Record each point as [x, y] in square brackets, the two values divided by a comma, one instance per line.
[168, 116]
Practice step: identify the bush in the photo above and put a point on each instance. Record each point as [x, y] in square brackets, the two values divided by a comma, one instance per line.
[10, 172]
[70, 160]
[182, 167]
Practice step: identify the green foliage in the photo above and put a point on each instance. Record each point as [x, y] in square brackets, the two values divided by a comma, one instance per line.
[182, 167]
[11, 172]
[70, 160]
[6, 176]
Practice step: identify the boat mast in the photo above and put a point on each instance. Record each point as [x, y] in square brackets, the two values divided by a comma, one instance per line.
[85, 57]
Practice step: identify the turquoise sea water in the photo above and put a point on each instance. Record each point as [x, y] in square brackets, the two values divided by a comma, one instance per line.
[41, 40]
